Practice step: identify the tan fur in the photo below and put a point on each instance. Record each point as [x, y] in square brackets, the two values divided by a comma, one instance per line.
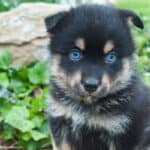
[54, 145]
[55, 61]
[112, 146]
[63, 146]
[80, 43]
[110, 123]
[56, 109]
[126, 71]
[55, 68]
[75, 78]
[105, 81]
[123, 77]
[109, 45]
[58, 72]
[66, 82]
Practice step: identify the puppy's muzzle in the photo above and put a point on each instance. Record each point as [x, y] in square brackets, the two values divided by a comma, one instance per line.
[90, 84]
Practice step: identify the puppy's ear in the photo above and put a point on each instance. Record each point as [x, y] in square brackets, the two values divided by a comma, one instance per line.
[133, 17]
[54, 22]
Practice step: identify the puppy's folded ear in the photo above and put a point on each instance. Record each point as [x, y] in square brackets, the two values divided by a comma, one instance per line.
[133, 17]
[54, 22]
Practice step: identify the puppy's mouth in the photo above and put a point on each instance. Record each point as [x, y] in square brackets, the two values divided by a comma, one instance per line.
[91, 96]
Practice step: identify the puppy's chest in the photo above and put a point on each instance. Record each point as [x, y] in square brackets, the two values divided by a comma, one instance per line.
[97, 134]
[114, 124]
[84, 139]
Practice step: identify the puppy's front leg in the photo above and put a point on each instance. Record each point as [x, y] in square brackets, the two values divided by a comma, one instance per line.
[145, 140]
[64, 145]
[59, 131]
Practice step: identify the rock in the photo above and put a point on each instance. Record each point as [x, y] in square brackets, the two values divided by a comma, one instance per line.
[23, 32]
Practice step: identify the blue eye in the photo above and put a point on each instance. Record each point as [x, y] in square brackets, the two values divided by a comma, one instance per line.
[75, 55]
[111, 58]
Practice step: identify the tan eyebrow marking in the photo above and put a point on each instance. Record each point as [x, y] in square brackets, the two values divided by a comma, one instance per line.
[109, 45]
[80, 43]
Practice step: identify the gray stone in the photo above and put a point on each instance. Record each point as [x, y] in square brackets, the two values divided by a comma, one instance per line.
[23, 32]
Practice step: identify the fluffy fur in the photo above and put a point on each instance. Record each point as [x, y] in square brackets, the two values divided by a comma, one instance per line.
[116, 115]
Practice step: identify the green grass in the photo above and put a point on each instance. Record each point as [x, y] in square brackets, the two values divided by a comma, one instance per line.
[141, 38]
[140, 6]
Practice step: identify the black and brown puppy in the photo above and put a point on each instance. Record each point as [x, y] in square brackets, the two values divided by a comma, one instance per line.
[97, 100]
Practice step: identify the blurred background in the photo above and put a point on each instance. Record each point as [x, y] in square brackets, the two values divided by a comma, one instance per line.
[141, 6]
[24, 88]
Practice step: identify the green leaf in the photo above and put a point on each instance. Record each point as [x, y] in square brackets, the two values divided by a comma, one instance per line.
[39, 103]
[20, 87]
[19, 82]
[45, 128]
[17, 85]
[1, 119]
[18, 118]
[5, 59]
[4, 79]
[32, 145]
[38, 74]
[5, 94]
[26, 136]
[38, 120]
[37, 135]
[8, 133]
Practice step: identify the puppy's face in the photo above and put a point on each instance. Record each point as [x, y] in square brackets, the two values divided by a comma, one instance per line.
[91, 50]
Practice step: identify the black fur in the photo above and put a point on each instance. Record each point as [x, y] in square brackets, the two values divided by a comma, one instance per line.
[131, 99]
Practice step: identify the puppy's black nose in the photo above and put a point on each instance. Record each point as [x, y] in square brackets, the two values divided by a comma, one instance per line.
[90, 84]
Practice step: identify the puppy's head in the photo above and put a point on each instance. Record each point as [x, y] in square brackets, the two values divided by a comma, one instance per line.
[91, 50]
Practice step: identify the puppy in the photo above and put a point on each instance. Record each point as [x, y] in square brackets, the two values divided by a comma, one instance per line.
[97, 100]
